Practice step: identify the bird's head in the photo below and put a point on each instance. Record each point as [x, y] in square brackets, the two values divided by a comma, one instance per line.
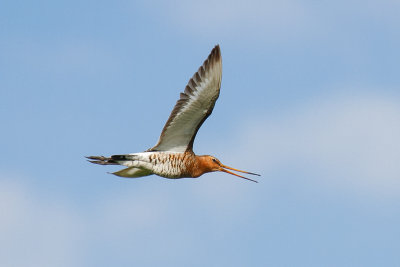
[212, 164]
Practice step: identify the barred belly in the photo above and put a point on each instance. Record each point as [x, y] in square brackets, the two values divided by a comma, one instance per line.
[171, 165]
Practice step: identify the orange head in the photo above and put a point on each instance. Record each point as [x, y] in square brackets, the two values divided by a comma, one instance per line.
[212, 164]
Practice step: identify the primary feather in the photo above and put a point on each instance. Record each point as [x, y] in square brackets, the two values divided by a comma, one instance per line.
[193, 107]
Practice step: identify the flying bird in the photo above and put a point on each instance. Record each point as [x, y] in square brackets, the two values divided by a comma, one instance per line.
[173, 156]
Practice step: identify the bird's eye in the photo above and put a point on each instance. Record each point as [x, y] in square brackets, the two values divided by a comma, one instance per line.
[215, 160]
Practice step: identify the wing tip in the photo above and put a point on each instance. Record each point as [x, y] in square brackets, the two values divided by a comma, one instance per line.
[215, 53]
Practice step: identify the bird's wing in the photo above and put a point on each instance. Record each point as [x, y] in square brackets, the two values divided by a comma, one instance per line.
[193, 107]
[132, 172]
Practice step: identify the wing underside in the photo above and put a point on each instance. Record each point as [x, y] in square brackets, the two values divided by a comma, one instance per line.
[194, 106]
[132, 172]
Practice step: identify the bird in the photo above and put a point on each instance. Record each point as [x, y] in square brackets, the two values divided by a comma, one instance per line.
[173, 157]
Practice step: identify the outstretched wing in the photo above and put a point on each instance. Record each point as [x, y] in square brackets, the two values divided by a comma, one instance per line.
[193, 107]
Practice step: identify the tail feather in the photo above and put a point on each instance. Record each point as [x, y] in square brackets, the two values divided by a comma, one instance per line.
[124, 157]
[101, 160]
[130, 172]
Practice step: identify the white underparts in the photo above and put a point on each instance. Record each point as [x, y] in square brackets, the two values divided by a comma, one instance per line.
[165, 164]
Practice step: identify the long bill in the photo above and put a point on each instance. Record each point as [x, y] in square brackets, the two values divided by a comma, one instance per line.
[226, 167]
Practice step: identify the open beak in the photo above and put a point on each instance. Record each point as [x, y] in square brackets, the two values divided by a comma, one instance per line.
[224, 167]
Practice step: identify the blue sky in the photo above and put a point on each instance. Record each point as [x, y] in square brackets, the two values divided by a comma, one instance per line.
[310, 99]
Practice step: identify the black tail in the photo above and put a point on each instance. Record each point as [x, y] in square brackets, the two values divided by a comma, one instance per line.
[101, 160]
[122, 157]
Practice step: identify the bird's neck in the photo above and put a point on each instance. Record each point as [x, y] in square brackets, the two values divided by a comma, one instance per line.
[200, 166]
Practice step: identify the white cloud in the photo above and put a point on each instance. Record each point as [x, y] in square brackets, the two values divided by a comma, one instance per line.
[347, 143]
[134, 211]
[42, 230]
[257, 21]
[234, 15]
[55, 56]
[34, 232]
[351, 142]
[252, 18]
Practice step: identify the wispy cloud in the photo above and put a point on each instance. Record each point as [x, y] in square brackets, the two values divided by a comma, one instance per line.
[341, 143]
[234, 18]
[271, 21]
[35, 232]
[137, 224]
[54, 56]
[347, 141]
[210, 16]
